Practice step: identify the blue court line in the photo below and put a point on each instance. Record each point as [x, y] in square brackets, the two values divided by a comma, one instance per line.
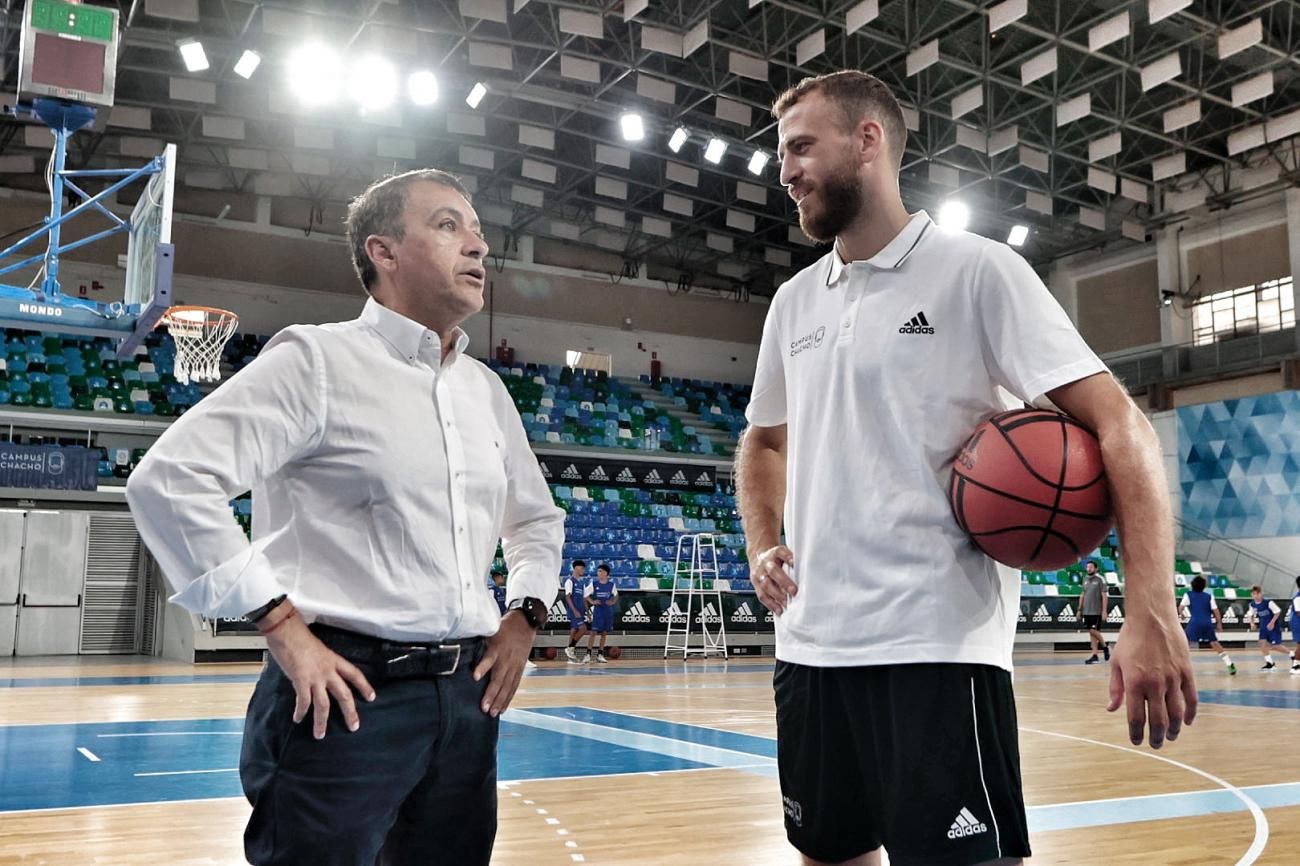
[1158, 807]
[1279, 700]
[763, 747]
[179, 680]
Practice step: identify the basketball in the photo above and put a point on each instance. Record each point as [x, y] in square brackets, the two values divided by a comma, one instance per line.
[1029, 489]
[550, 653]
[614, 652]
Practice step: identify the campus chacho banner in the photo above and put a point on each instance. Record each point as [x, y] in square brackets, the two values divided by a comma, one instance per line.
[48, 467]
[587, 472]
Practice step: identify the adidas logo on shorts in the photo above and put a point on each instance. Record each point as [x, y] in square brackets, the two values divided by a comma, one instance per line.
[636, 613]
[966, 825]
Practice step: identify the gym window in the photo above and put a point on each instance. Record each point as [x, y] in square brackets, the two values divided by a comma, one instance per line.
[1269, 306]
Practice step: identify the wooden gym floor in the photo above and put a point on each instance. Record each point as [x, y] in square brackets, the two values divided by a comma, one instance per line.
[97, 756]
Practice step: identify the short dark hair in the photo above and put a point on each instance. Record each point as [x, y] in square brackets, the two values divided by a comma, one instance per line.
[498, 573]
[1297, 582]
[579, 562]
[378, 211]
[857, 95]
[1198, 583]
[1257, 589]
[1092, 562]
[604, 566]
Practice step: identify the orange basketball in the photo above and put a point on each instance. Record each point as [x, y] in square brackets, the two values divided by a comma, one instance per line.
[1029, 489]
[551, 653]
[613, 652]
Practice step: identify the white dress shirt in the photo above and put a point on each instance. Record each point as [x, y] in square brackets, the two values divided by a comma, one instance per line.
[382, 477]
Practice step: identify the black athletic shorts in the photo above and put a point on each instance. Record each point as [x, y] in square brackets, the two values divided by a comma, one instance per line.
[1092, 620]
[922, 759]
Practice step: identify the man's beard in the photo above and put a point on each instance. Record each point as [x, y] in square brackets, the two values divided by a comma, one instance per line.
[841, 203]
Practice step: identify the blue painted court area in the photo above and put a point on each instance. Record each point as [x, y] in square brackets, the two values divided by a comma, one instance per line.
[60, 766]
[42, 767]
[1277, 700]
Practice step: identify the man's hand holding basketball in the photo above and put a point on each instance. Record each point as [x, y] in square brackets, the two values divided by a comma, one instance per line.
[770, 575]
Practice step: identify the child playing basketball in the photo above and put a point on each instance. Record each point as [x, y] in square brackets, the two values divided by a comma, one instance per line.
[1204, 616]
[575, 605]
[603, 595]
[1269, 616]
[499, 590]
[1295, 630]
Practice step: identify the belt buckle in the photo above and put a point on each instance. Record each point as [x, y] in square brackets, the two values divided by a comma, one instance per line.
[455, 662]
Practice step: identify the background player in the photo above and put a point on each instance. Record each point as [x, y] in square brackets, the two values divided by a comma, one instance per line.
[1092, 607]
[1204, 615]
[575, 605]
[603, 595]
[499, 590]
[1269, 616]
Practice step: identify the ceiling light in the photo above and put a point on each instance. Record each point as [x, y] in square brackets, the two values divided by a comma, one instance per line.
[196, 59]
[632, 126]
[954, 216]
[247, 63]
[314, 75]
[716, 148]
[758, 161]
[422, 87]
[476, 94]
[678, 139]
[372, 82]
[1018, 236]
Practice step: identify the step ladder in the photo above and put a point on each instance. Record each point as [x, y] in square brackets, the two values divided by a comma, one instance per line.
[696, 600]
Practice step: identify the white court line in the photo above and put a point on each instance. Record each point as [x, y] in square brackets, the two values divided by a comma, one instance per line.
[1261, 823]
[175, 734]
[87, 754]
[184, 772]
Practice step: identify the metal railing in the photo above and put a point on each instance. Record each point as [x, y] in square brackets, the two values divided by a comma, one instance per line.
[1222, 556]
[1155, 364]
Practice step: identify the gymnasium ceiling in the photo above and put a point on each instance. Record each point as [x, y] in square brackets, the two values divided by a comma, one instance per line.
[1026, 124]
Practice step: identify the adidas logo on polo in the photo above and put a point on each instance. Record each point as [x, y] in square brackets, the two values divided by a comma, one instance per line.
[918, 325]
[636, 613]
[966, 825]
[626, 476]
[744, 614]
[571, 473]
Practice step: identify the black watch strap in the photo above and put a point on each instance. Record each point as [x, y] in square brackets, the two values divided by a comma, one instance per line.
[533, 609]
[256, 615]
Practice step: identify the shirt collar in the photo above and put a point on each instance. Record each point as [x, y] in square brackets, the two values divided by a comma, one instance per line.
[406, 335]
[894, 253]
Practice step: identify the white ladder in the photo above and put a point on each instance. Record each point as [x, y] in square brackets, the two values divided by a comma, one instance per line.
[697, 568]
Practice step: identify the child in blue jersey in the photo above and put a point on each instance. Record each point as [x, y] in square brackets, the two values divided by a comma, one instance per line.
[603, 595]
[1204, 615]
[1295, 629]
[1269, 616]
[499, 590]
[575, 605]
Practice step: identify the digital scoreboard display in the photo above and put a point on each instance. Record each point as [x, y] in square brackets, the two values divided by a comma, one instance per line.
[69, 51]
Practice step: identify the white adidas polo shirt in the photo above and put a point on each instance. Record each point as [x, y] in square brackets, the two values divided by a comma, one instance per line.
[882, 369]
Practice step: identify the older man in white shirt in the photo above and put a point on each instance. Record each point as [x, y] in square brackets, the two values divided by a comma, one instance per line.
[384, 465]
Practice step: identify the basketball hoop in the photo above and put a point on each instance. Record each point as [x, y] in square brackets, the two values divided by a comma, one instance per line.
[199, 332]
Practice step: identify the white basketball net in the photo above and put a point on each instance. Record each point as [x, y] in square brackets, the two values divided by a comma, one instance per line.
[200, 333]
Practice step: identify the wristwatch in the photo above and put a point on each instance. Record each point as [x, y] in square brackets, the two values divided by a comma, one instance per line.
[533, 609]
[254, 616]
